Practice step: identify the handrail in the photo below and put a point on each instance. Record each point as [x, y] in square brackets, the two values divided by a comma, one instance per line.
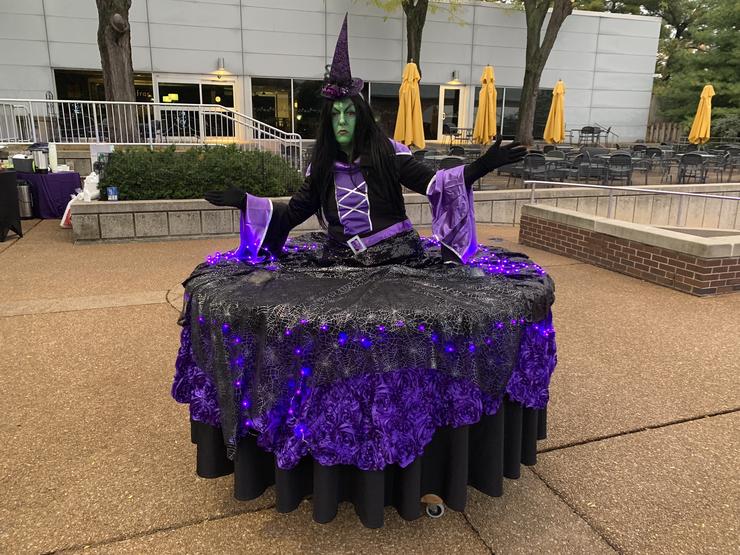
[680, 213]
[141, 123]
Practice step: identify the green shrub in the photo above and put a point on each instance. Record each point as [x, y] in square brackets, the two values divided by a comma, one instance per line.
[726, 122]
[143, 174]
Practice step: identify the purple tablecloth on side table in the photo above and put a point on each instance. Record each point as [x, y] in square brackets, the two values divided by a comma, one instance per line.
[51, 192]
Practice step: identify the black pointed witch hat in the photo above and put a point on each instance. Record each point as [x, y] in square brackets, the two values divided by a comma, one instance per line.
[339, 82]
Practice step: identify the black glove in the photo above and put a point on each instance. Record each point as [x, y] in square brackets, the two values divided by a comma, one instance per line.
[495, 157]
[230, 197]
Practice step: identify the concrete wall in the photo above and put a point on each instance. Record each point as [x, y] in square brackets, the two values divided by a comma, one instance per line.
[606, 60]
[175, 219]
[697, 265]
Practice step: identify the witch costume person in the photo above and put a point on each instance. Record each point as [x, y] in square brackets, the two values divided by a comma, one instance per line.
[365, 363]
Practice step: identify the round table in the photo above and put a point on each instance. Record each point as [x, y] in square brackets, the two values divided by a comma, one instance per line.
[371, 384]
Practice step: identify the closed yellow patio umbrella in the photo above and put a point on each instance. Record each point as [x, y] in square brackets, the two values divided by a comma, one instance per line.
[409, 123]
[555, 127]
[700, 129]
[485, 120]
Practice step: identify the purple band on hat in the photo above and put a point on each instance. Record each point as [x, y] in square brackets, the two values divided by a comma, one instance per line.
[335, 92]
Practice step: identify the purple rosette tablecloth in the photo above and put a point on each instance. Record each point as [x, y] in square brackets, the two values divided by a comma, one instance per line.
[323, 378]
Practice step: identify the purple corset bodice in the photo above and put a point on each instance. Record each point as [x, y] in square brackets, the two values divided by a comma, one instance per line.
[353, 204]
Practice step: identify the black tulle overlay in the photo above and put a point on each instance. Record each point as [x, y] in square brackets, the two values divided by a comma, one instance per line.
[326, 373]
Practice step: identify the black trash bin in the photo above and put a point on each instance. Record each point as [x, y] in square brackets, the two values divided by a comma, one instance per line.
[10, 219]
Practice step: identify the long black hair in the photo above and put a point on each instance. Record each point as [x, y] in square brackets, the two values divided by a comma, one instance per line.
[369, 141]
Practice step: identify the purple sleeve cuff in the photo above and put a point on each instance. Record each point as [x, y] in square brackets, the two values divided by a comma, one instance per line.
[453, 214]
[253, 223]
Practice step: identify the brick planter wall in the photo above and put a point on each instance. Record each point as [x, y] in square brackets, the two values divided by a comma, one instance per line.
[683, 271]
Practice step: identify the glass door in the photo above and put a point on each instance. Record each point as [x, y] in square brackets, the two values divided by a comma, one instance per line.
[179, 121]
[450, 98]
[218, 124]
[189, 122]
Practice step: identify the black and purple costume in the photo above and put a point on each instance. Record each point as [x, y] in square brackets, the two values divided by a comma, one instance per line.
[359, 353]
[364, 211]
[357, 364]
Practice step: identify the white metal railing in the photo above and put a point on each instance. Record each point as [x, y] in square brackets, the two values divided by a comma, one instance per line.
[681, 211]
[24, 121]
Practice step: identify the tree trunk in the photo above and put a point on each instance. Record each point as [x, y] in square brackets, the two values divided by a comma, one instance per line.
[416, 15]
[536, 58]
[114, 43]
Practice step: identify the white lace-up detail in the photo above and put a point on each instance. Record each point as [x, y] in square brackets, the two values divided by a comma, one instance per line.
[353, 200]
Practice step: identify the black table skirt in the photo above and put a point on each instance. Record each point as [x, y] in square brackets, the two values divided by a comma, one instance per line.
[481, 456]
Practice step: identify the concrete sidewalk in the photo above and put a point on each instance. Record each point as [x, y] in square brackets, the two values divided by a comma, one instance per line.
[641, 456]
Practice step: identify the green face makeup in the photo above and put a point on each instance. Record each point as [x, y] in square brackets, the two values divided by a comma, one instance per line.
[343, 119]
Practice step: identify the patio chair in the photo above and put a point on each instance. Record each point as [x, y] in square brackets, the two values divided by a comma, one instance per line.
[535, 167]
[691, 167]
[718, 166]
[449, 131]
[559, 154]
[618, 167]
[419, 154]
[734, 161]
[450, 162]
[569, 170]
[652, 157]
[639, 149]
[667, 165]
[472, 153]
[511, 171]
[457, 151]
[592, 168]
[588, 135]
[594, 150]
[548, 148]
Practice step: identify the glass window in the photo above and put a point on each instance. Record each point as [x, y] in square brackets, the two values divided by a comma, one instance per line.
[217, 124]
[307, 102]
[511, 112]
[218, 94]
[182, 93]
[429, 110]
[541, 111]
[179, 121]
[384, 102]
[451, 106]
[499, 100]
[88, 85]
[271, 102]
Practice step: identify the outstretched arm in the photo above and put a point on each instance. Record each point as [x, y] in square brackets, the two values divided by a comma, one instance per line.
[417, 176]
[265, 224]
[451, 198]
[495, 157]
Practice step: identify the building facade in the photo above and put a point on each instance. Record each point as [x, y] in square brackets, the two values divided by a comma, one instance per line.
[266, 59]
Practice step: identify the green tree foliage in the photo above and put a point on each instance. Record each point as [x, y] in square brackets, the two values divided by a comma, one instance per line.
[607, 6]
[143, 174]
[699, 45]
[710, 55]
